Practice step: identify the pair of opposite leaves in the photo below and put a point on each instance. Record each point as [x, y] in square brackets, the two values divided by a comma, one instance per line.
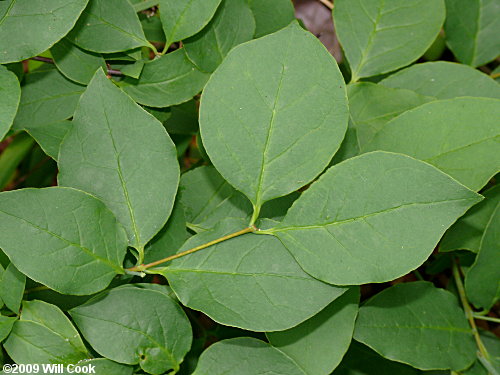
[370, 219]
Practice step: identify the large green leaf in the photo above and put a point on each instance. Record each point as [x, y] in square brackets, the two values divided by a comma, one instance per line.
[184, 18]
[467, 232]
[271, 16]
[472, 30]
[459, 136]
[136, 326]
[417, 324]
[169, 80]
[245, 356]
[12, 284]
[115, 150]
[444, 80]
[44, 335]
[70, 241]
[29, 27]
[10, 94]
[232, 24]
[318, 344]
[372, 218]
[371, 106]
[108, 26]
[379, 36]
[75, 63]
[46, 97]
[482, 281]
[269, 122]
[251, 281]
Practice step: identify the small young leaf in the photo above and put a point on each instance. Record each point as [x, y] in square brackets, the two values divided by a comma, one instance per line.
[245, 356]
[184, 18]
[444, 80]
[136, 326]
[108, 26]
[467, 232]
[482, 281]
[75, 63]
[372, 218]
[381, 36]
[318, 344]
[232, 24]
[459, 136]
[117, 151]
[6, 324]
[70, 241]
[183, 119]
[472, 30]
[399, 319]
[169, 80]
[50, 136]
[269, 123]
[29, 27]
[12, 288]
[250, 282]
[10, 94]
[271, 16]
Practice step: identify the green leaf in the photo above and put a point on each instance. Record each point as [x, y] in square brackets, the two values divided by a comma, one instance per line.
[6, 324]
[372, 106]
[133, 70]
[459, 136]
[482, 280]
[467, 232]
[444, 80]
[136, 326]
[232, 24]
[245, 356]
[318, 344]
[75, 63]
[417, 324]
[46, 97]
[115, 150]
[251, 281]
[269, 122]
[12, 288]
[184, 18]
[169, 80]
[44, 335]
[50, 136]
[70, 241]
[108, 26]
[105, 366]
[271, 16]
[472, 30]
[152, 27]
[372, 218]
[10, 94]
[383, 35]
[183, 119]
[30, 27]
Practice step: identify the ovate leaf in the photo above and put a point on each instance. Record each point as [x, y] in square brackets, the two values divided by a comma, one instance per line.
[136, 326]
[467, 232]
[245, 356]
[417, 324]
[472, 30]
[29, 27]
[10, 94]
[12, 284]
[116, 151]
[169, 80]
[251, 281]
[108, 26]
[459, 136]
[372, 218]
[50, 136]
[75, 63]
[70, 241]
[318, 344]
[383, 35]
[271, 16]
[184, 18]
[444, 80]
[482, 281]
[6, 324]
[269, 123]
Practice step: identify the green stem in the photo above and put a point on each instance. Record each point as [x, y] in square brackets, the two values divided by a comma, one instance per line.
[255, 215]
[487, 318]
[144, 267]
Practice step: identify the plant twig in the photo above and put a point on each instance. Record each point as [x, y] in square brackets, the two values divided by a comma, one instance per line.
[487, 318]
[327, 3]
[144, 267]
